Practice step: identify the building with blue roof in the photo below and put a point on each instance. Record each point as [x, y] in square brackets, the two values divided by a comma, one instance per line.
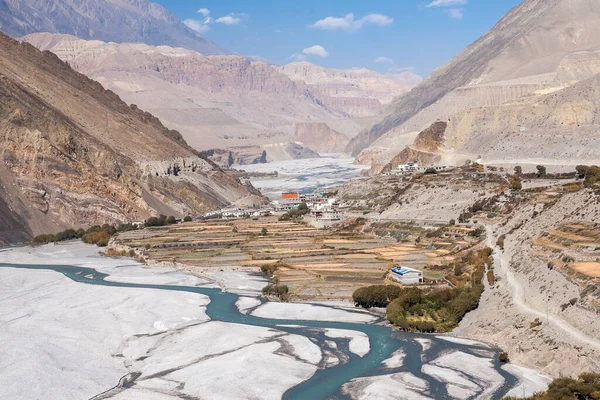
[407, 276]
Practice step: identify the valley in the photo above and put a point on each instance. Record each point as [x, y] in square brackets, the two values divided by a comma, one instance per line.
[267, 201]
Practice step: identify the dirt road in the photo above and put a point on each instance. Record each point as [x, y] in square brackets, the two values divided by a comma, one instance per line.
[502, 264]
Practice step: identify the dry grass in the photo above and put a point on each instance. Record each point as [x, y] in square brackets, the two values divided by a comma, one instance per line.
[591, 269]
[321, 264]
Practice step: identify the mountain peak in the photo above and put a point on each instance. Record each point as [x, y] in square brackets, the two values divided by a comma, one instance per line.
[107, 20]
[528, 44]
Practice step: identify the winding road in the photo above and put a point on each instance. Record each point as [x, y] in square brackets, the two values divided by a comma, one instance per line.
[502, 261]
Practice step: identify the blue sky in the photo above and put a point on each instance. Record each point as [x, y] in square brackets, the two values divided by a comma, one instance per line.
[383, 35]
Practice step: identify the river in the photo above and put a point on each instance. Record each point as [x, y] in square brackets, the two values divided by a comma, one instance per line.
[305, 175]
[327, 383]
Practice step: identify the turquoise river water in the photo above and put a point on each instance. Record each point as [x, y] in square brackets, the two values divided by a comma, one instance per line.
[326, 383]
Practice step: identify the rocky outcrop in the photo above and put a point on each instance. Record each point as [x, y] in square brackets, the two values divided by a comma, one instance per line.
[73, 154]
[288, 151]
[135, 21]
[243, 155]
[424, 150]
[431, 139]
[539, 47]
[320, 138]
[410, 154]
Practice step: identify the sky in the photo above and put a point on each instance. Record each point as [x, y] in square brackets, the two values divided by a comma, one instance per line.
[387, 36]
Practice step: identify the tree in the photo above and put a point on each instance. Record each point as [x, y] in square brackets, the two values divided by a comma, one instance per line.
[264, 231]
[187, 219]
[515, 183]
[430, 171]
[541, 170]
[518, 170]
[303, 207]
[170, 220]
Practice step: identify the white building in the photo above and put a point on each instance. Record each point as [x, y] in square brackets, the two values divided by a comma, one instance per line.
[407, 276]
[407, 168]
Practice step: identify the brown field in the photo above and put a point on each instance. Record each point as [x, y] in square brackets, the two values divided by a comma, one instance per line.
[591, 269]
[316, 264]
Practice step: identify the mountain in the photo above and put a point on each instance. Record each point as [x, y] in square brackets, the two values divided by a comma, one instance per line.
[320, 138]
[359, 92]
[108, 20]
[74, 154]
[539, 47]
[225, 101]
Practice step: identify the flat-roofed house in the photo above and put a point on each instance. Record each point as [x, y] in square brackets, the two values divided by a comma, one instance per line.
[407, 276]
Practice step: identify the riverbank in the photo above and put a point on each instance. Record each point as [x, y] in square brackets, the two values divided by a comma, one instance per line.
[164, 331]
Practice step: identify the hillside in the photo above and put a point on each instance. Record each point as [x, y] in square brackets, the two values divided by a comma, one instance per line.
[359, 93]
[539, 47]
[220, 101]
[109, 20]
[74, 154]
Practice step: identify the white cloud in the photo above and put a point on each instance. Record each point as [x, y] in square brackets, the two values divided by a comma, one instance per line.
[316, 50]
[198, 26]
[350, 23]
[204, 25]
[384, 60]
[447, 3]
[456, 13]
[230, 19]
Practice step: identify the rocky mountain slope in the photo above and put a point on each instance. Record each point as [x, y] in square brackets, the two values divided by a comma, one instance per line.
[320, 137]
[74, 154]
[359, 93]
[539, 47]
[218, 101]
[109, 20]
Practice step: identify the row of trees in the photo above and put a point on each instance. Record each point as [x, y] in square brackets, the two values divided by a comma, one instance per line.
[101, 234]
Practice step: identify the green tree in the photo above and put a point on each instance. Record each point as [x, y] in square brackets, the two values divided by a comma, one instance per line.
[541, 171]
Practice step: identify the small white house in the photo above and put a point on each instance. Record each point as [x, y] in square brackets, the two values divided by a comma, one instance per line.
[407, 276]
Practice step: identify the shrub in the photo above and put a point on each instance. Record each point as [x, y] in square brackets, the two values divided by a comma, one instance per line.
[376, 296]
[187, 219]
[500, 242]
[280, 291]
[491, 278]
[295, 214]
[264, 231]
[503, 357]
[541, 171]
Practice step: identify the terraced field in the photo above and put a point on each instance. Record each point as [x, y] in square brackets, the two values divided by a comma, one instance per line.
[313, 263]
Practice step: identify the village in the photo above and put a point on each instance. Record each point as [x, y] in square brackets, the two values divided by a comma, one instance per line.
[323, 209]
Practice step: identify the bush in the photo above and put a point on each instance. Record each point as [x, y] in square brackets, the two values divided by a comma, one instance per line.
[187, 219]
[491, 278]
[280, 291]
[162, 220]
[99, 235]
[376, 296]
[264, 231]
[295, 214]
[503, 357]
